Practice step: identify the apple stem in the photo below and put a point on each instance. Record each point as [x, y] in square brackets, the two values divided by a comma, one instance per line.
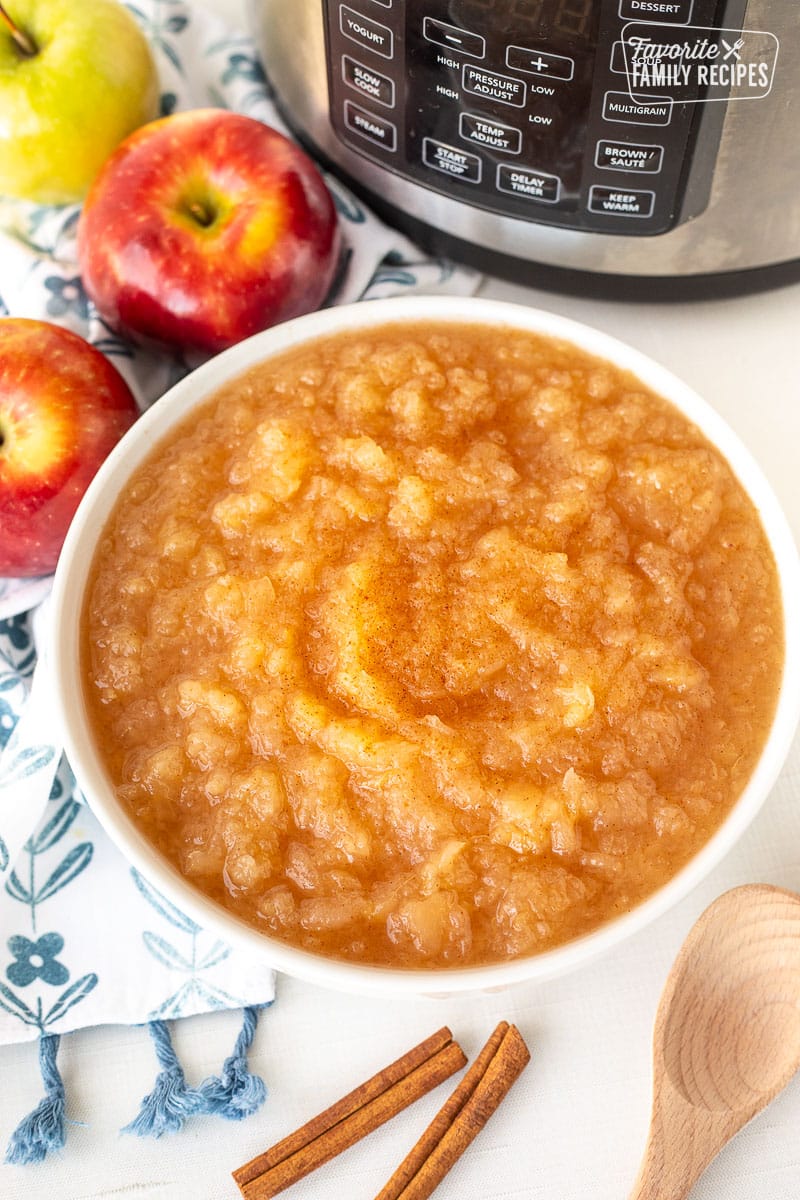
[203, 215]
[23, 41]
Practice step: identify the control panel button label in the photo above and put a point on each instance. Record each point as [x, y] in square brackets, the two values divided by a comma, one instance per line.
[618, 203]
[489, 133]
[367, 125]
[368, 82]
[676, 12]
[503, 88]
[526, 182]
[629, 156]
[451, 160]
[633, 110]
[366, 32]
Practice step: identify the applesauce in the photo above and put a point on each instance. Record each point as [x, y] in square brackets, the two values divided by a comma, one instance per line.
[432, 645]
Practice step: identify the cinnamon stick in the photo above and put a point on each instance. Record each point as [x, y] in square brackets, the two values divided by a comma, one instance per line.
[462, 1116]
[352, 1118]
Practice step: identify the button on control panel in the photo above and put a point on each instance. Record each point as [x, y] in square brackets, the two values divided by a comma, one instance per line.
[367, 125]
[678, 12]
[533, 185]
[453, 38]
[502, 89]
[451, 160]
[369, 82]
[625, 109]
[534, 109]
[473, 127]
[369, 34]
[621, 202]
[629, 157]
[541, 63]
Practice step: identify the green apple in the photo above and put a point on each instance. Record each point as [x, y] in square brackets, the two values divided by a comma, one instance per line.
[76, 77]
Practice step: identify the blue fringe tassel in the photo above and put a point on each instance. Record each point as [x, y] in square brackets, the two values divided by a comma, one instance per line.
[43, 1129]
[236, 1093]
[165, 1109]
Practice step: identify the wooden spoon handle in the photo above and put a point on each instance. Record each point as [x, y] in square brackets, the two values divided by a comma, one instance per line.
[681, 1142]
[661, 1179]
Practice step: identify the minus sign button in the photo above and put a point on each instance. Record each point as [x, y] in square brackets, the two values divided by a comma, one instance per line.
[442, 34]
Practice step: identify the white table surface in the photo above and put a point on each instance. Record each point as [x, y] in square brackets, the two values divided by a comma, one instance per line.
[574, 1126]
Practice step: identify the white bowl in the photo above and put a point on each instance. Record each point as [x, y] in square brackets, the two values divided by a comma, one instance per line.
[71, 578]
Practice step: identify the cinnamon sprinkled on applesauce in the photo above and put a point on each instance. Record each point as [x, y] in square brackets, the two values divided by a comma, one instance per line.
[432, 645]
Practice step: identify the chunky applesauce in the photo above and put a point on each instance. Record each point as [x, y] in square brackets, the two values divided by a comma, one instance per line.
[432, 645]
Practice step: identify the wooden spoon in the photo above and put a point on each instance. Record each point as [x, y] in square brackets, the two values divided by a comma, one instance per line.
[727, 1034]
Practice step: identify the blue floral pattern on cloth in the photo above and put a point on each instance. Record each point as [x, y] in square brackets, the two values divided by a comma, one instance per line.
[42, 871]
[66, 295]
[36, 960]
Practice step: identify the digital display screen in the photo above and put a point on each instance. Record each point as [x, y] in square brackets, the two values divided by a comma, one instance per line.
[561, 16]
[571, 19]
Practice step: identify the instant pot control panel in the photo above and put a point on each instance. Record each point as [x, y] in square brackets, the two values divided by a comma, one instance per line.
[596, 115]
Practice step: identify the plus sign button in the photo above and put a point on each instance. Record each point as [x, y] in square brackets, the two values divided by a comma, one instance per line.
[540, 62]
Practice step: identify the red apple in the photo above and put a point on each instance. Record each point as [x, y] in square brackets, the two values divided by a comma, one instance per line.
[203, 228]
[63, 406]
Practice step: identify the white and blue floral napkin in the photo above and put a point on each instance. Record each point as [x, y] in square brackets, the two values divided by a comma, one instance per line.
[62, 966]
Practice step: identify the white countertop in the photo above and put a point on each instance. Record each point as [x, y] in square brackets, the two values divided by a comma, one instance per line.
[573, 1127]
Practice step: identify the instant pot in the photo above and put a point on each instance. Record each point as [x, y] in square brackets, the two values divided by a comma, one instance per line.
[640, 147]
